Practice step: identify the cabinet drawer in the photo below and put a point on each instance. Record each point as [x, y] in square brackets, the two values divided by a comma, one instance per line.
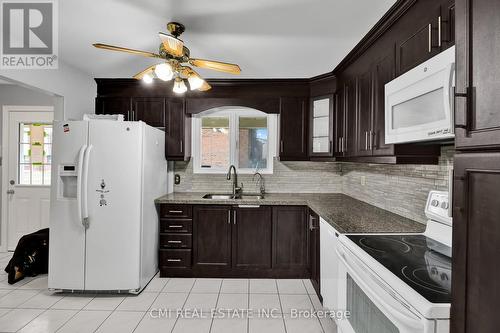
[179, 211]
[175, 258]
[175, 241]
[176, 225]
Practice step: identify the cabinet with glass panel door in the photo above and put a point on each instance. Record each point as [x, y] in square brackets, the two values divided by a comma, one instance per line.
[321, 127]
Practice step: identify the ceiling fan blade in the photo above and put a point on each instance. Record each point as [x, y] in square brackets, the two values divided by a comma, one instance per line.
[172, 45]
[140, 75]
[124, 49]
[216, 66]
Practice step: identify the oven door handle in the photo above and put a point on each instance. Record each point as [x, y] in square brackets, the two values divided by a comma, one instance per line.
[403, 318]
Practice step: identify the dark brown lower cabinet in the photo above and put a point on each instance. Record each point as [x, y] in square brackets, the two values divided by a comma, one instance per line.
[290, 237]
[211, 236]
[476, 246]
[314, 250]
[252, 230]
[235, 241]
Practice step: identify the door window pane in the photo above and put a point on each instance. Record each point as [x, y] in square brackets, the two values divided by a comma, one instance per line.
[215, 142]
[253, 142]
[321, 126]
[35, 154]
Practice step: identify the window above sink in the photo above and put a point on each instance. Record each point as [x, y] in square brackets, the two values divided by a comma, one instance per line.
[240, 136]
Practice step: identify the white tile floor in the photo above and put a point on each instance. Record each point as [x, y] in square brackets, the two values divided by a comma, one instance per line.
[28, 306]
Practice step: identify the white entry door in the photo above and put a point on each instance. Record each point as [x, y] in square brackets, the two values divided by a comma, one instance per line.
[29, 154]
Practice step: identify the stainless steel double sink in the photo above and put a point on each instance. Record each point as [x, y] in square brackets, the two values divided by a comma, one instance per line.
[224, 196]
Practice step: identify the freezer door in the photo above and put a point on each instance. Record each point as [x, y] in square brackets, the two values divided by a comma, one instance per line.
[67, 234]
[113, 206]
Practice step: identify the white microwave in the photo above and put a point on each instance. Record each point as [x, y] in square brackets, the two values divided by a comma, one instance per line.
[419, 103]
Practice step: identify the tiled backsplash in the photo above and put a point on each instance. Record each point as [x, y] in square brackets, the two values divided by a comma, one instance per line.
[401, 189]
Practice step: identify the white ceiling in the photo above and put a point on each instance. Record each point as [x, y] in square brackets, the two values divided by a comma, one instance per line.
[267, 38]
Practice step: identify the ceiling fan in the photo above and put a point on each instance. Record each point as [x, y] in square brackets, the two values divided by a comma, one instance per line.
[176, 60]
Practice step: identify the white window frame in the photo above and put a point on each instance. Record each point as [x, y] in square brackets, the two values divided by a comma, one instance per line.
[233, 113]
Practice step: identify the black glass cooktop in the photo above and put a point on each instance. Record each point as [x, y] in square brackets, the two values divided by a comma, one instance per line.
[422, 263]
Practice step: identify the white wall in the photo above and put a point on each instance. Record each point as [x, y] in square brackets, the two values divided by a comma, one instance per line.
[77, 89]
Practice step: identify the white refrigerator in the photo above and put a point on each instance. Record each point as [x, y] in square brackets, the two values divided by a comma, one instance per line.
[103, 220]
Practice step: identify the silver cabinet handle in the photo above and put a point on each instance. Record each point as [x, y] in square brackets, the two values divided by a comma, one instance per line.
[11, 191]
[175, 211]
[181, 145]
[281, 145]
[248, 206]
[173, 260]
[174, 242]
[371, 140]
[234, 217]
[343, 145]
[228, 217]
[128, 115]
[175, 226]
[439, 31]
[366, 140]
[430, 37]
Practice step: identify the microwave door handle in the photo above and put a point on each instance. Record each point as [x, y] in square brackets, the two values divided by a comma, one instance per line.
[448, 83]
[403, 318]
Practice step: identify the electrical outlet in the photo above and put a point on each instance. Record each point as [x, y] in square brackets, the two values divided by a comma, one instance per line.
[363, 180]
[177, 179]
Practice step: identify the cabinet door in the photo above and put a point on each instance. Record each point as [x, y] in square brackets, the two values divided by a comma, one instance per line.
[364, 114]
[149, 110]
[293, 128]
[350, 118]
[252, 230]
[476, 246]
[383, 72]
[339, 122]
[114, 105]
[177, 127]
[321, 126]
[212, 236]
[477, 106]
[314, 249]
[421, 42]
[290, 237]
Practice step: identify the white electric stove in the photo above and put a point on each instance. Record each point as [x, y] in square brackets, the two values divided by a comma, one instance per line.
[398, 282]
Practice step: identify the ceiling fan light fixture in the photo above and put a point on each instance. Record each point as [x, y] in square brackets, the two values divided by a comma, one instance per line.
[179, 86]
[195, 81]
[147, 78]
[164, 72]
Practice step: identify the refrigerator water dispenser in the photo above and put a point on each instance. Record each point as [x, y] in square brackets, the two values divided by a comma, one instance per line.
[67, 181]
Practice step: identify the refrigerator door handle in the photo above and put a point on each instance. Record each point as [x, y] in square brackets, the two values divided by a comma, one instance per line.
[79, 182]
[85, 207]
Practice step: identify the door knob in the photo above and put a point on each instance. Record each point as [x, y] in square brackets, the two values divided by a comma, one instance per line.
[10, 191]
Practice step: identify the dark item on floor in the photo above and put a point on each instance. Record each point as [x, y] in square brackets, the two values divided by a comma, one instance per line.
[31, 256]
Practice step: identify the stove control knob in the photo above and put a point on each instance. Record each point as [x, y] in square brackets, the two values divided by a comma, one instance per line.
[444, 277]
[444, 205]
[434, 203]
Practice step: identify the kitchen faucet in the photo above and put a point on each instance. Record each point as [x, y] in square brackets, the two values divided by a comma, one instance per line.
[236, 190]
[260, 180]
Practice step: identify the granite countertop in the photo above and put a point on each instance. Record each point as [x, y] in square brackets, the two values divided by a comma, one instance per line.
[345, 214]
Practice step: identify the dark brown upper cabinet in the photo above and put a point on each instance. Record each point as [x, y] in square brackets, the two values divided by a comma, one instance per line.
[149, 110]
[293, 129]
[321, 130]
[476, 246]
[212, 236]
[252, 237]
[364, 112]
[477, 102]
[382, 73]
[177, 131]
[427, 32]
[114, 105]
[290, 237]
[339, 122]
